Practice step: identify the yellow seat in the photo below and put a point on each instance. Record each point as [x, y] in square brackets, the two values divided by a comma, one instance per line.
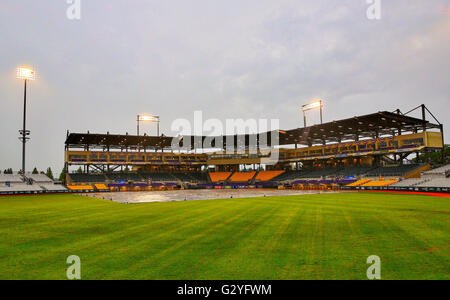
[360, 182]
[101, 187]
[380, 183]
[80, 187]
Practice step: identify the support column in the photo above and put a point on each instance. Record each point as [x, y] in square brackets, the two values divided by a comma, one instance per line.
[443, 144]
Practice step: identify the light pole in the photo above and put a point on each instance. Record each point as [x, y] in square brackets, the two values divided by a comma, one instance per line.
[25, 73]
[147, 118]
[318, 104]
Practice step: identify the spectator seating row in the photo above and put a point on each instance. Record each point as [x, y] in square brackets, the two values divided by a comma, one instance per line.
[394, 170]
[87, 178]
[41, 178]
[410, 182]
[219, 176]
[242, 176]
[379, 183]
[11, 178]
[360, 182]
[436, 182]
[267, 175]
[442, 170]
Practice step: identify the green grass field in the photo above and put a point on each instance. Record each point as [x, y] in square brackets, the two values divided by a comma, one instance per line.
[296, 237]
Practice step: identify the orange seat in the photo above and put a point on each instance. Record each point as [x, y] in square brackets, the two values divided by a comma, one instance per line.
[219, 176]
[242, 177]
[268, 175]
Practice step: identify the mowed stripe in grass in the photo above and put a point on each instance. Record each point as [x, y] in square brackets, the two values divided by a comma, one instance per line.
[325, 236]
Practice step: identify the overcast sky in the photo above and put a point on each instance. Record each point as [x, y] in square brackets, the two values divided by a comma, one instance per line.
[230, 59]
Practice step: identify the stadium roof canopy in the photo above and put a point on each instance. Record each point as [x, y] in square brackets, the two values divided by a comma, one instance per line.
[367, 126]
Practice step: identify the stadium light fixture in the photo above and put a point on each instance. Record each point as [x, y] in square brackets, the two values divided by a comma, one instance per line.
[317, 104]
[147, 118]
[25, 73]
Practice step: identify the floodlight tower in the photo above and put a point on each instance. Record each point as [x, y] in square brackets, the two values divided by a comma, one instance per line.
[147, 118]
[25, 73]
[317, 104]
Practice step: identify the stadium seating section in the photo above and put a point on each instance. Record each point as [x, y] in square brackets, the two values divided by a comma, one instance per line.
[39, 178]
[19, 187]
[267, 175]
[80, 187]
[10, 178]
[436, 182]
[394, 170]
[28, 183]
[410, 182]
[163, 176]
[219, 176]
[439, 171]
[124, 177]
[52, 187]
[87, 178]
[359, 182]
[290, 175]
[184, 177]
[242, 176]
[379, 183]
[100, 186]
[199, 176]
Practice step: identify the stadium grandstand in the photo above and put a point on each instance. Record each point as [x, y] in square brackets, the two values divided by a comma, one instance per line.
[372, 150]
[29, 184]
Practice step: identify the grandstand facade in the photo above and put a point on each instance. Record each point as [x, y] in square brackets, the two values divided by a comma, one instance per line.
[372, 147]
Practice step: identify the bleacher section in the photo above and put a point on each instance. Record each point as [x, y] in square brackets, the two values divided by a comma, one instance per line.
[140, 177]
[320, 172]
[80, 187]
[379, 183]
[439, 171]
[52, 187]
[400, 170]
[87, 178]
[20, 187]
[410, 182]
[100, 186]
[437, 182]
[184, 177]
[353, 171]
[10, 178]
[219, 176]
[41, 178]
[290, 175]
[242, 176]
[125, 177]
[30, 183]
[359, 182]
[323, 173]
[267, 175]
[163, 176]
[199, 177]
